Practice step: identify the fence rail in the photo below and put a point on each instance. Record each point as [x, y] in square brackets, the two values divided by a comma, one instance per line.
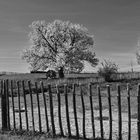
[68, 110]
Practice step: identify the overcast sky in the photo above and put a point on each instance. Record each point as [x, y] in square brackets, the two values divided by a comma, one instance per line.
[115, 25]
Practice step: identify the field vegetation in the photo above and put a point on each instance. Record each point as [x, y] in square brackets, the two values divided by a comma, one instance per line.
[81, 77]
[39, 137]
[41, 77]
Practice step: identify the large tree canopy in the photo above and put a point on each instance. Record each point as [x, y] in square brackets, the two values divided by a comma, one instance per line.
[59, 44]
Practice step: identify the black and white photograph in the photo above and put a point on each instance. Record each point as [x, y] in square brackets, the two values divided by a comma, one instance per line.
[69, 69]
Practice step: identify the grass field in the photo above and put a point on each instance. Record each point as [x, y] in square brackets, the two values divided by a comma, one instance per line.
[113, 85]
[35, 76]
[40, 137]
[124, 106]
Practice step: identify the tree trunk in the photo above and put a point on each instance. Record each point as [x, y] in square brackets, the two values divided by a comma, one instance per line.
[61, 72]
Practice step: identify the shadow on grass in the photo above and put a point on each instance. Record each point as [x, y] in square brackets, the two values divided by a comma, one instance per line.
[30, 135]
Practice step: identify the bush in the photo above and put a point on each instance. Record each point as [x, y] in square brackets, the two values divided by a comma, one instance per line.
[108, 68]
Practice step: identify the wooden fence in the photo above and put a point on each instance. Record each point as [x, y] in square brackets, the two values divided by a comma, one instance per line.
[68, 110]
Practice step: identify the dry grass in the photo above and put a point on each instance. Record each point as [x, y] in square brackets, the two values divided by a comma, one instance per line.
[6, 137]
[133, 93]
[30, 136]
[113, 85]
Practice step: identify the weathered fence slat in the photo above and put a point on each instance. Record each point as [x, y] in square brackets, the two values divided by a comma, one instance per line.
[32, 110]
[119, 113]
[91, 108]
[13, 105]
[38, 105]
[110, 112]
[25, 105]
[1, 86]
[129, 112]
[45, 106]
[51, 110]
[59, 111]
[4, 107]
[67, 110]
[8, 107]
[75, 111]
[83, 110]
[138, 121]
[19, 107]
[100, 112]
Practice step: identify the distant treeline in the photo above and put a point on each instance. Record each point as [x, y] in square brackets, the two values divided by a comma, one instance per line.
[74, 76]
[117, 76]
[126, 76]
[8, 73]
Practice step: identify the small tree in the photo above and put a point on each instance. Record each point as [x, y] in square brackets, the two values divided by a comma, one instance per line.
[61, 45]
[108, 68]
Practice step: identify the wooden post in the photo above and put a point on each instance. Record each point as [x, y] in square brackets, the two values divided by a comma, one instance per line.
[4, 107]
[1, 88]
[38, 104]
[110, 112]
[25, 105]
[75, 112]
[13, 105]
[19, 107]
[8, 106]
[59, 111]
[51, 110]
[100, 112]
[119, 114]
[32, 110]
[129, 112]
[138, 121]
[91, 108]
[45, 106]
[67, 111]
[83, 110]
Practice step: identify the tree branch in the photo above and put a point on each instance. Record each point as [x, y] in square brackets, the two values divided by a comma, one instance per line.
[47, 42]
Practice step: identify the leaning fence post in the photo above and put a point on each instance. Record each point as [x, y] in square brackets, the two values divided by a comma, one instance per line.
[138, 121]
[91, 108]
[100, 112]
[59, 111]
[8, 107]
[129, 112]
[119, 114]
[67, 110]
[45, 106]
[25, 104]
[38, 104]
[4, 107]
[110, 111]
[19, 106]
[83, 108]
[32, 110]
[51, 110]
[75, 111]
[13, 105]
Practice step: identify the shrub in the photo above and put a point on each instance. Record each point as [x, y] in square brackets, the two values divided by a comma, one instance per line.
[108, 68]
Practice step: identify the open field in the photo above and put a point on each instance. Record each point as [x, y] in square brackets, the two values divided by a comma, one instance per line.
[113, 85]
[36, 76]
[40, 137]
[87, 106]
